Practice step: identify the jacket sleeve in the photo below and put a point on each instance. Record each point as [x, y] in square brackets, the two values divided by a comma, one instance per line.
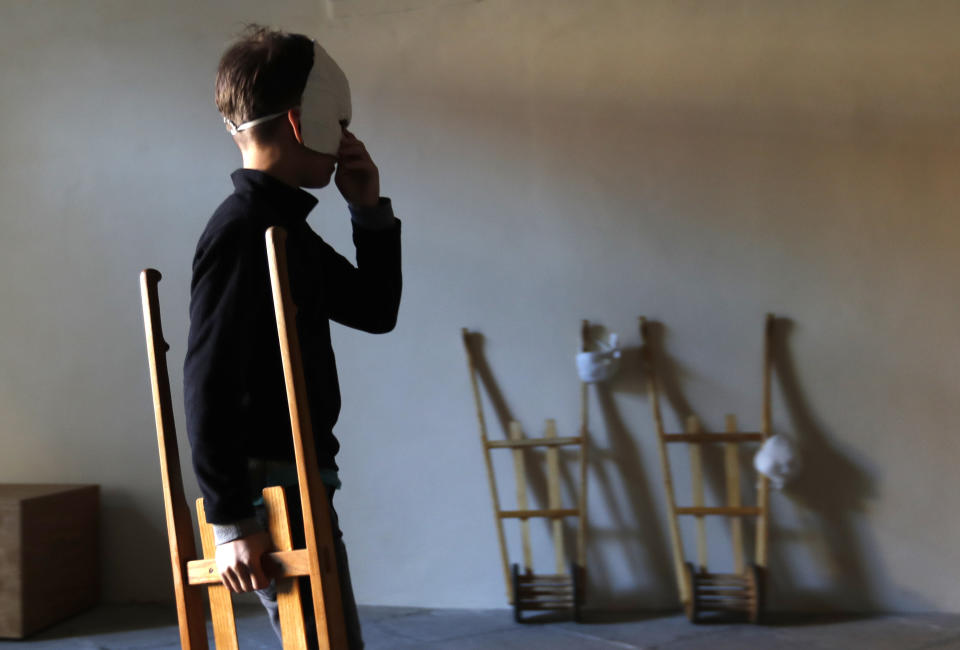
[221, 323]
[366, 296]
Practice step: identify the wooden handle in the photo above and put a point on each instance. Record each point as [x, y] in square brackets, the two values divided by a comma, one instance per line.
[278, 564]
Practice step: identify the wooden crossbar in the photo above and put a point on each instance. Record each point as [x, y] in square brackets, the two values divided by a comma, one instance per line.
[725, 511]
[532, 514]
[285, 564]
[708, 438]
[533, 442]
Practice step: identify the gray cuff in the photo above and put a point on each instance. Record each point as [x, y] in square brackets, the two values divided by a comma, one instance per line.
[223, 533]
[377, 217]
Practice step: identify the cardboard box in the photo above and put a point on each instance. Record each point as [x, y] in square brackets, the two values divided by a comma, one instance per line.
[49, 554]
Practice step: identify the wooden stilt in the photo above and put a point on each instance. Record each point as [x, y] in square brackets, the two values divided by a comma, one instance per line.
[324, 583]
[191, 576]
[528, 591]
[183, 548]
[584, 459]
[744, 590]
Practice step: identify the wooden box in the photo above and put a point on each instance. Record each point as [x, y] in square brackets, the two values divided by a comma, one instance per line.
[49, 554]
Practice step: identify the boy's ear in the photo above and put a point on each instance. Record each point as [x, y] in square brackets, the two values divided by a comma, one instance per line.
[293, 116]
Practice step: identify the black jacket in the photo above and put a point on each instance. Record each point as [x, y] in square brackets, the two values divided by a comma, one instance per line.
[233, 378]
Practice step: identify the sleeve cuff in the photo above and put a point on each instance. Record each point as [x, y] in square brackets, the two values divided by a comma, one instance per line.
[223, 533]
[377, 217]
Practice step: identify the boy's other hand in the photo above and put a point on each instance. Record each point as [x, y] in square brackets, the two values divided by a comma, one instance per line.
[240, 562]
[357, 178]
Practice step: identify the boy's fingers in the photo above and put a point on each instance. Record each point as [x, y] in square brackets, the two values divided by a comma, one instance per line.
[229, 580]
[243, 577]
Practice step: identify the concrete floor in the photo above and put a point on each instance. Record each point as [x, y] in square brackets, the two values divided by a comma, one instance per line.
[152, 626]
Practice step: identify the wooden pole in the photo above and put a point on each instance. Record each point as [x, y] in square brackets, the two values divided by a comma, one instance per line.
[763, 483]
[221, 602]
[491, 478]
[584, 457]
[521, 478]
[324, 582]
[289, 604]
[675, 541]
[183, 546]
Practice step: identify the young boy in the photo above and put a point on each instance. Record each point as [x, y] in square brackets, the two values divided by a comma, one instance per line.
[287, 105]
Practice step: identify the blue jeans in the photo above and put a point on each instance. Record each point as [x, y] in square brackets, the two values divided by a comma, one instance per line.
[268, 596]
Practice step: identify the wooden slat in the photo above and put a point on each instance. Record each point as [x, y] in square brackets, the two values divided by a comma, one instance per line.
[726, 511]
[183, 548]
[696, 476]
[564, 577]
[532, 514]
[521, 477]
[293, 629]
[709, 438]
[283, 564]
[488, 462]
[533, 442]
[553, 486]
[221, 604]
[324, 582]
[732, 473]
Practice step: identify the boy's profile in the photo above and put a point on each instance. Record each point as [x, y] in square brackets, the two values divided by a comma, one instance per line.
[287, 105]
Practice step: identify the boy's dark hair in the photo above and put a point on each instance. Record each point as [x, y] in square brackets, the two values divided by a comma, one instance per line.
[263, 72]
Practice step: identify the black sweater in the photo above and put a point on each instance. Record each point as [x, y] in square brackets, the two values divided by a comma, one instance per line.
[233, 378]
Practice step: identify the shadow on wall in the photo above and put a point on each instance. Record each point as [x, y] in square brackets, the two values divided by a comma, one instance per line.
[636, 525]
[828, 497]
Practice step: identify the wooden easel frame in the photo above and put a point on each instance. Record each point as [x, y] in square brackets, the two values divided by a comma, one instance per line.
[701, 591]
[317, 561]
[527, 591]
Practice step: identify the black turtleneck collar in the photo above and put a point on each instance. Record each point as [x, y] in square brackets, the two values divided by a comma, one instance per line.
[291, 202]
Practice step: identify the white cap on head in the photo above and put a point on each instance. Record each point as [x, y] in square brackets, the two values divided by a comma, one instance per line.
[325, 106]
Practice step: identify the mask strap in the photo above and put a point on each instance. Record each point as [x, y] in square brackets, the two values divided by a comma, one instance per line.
[234, 129]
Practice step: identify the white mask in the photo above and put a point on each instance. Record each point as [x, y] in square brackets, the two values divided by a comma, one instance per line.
[325, 105]
[601, 364]
[324, 108]
[778, 460]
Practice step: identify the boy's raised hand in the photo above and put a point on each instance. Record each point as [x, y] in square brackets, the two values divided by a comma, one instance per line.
[357, 178]
[240, 562]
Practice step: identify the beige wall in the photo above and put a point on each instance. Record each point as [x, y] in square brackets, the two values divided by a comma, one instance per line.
[699, 163]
